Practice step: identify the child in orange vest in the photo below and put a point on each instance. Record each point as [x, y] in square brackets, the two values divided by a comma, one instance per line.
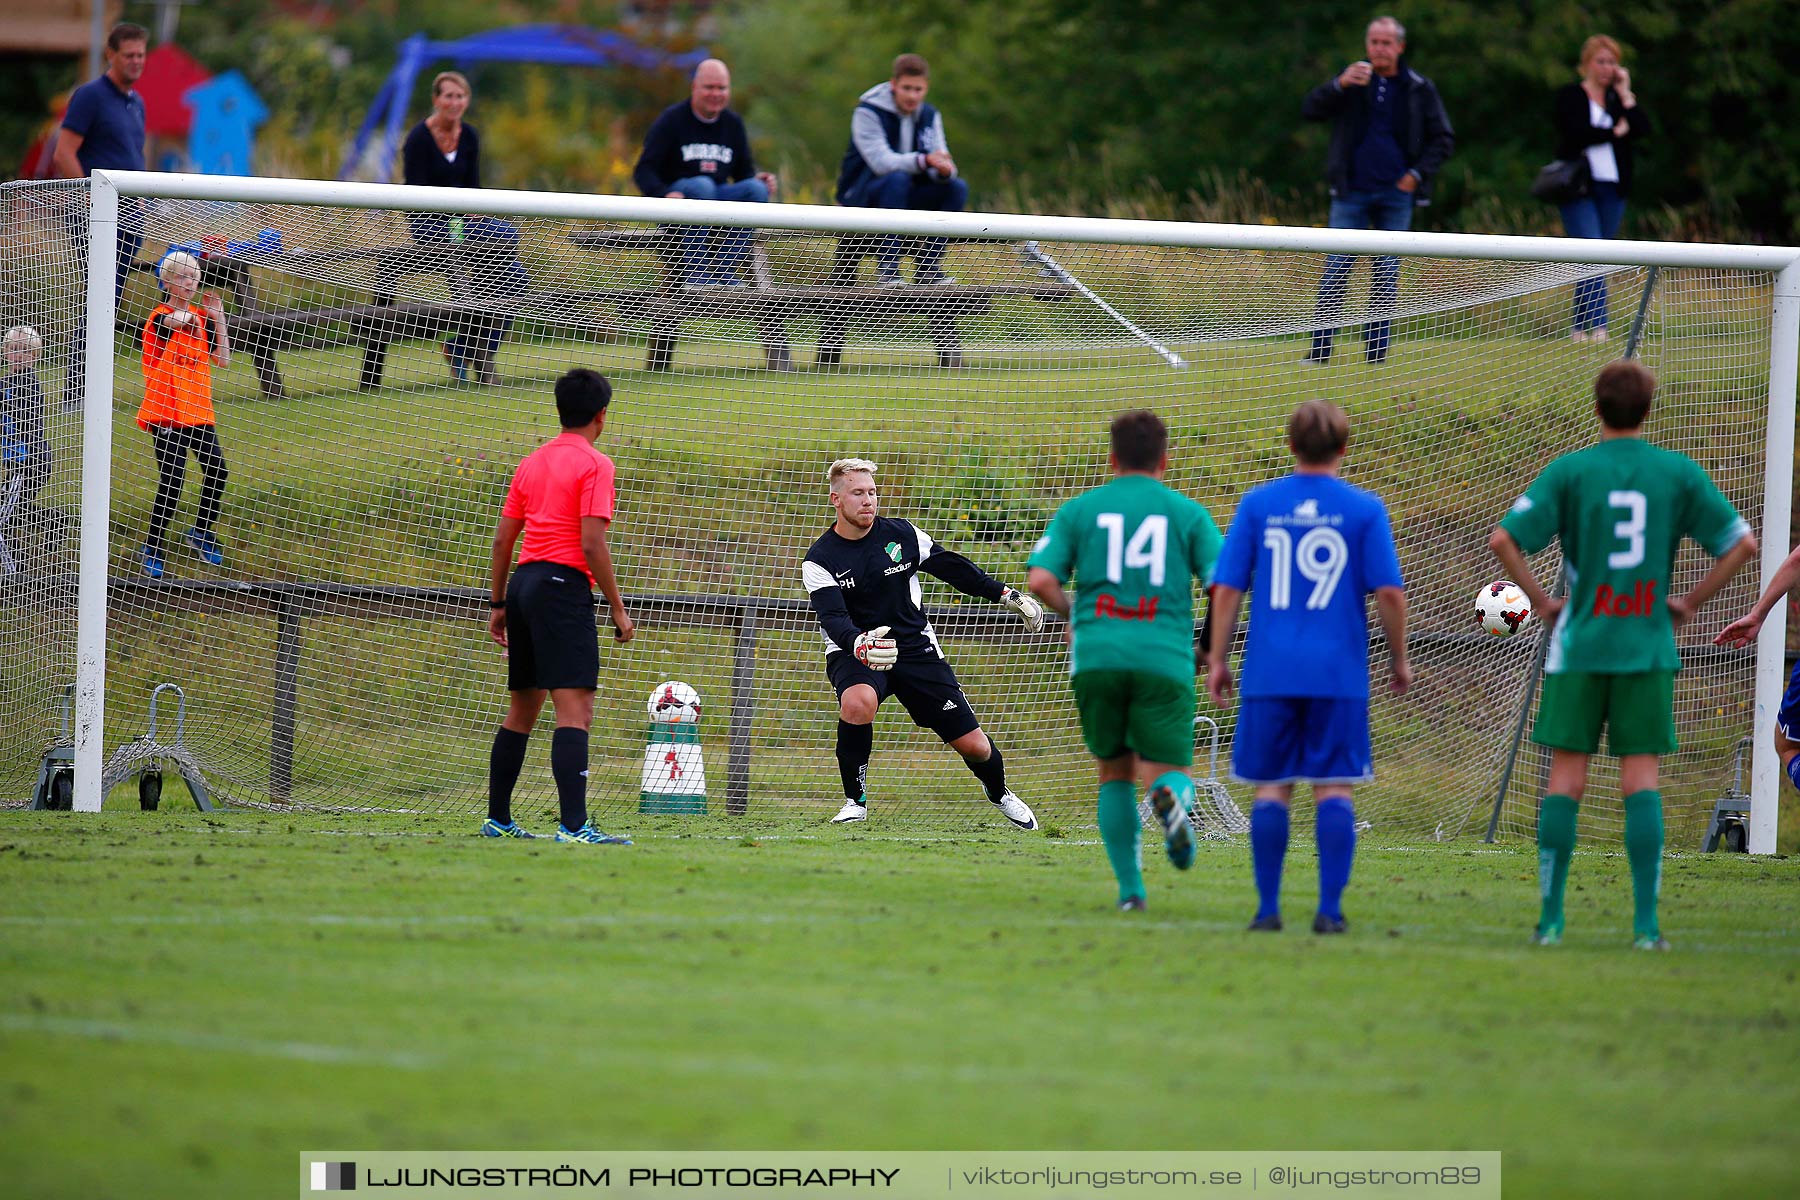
[180, 343]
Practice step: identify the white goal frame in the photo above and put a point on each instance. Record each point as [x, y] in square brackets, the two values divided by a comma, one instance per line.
[107, 187]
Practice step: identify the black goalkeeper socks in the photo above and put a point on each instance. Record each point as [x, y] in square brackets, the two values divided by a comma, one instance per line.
[504, 763]
[854, 745]
[569, 764]
[992, 773]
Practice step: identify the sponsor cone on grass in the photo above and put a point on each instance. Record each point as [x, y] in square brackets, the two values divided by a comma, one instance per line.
[674, 777]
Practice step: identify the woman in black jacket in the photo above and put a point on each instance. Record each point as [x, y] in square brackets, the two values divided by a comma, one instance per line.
[1598, 119]
[445, 151]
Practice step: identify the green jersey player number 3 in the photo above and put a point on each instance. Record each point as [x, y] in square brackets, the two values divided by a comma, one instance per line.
[1620, 508]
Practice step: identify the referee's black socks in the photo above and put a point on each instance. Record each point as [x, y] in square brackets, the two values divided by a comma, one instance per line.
[504, 762]
[854, 745]
[569, 764]
[992, 773]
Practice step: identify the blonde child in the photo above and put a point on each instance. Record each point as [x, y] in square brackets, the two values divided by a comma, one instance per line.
[25, 457]
[22, 446]
[181, 342]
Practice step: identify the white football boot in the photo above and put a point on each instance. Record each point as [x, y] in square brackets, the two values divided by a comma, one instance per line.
[853, 810]
[1017, 811]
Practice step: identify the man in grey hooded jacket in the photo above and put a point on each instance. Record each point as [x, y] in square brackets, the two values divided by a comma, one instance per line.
[898, 158]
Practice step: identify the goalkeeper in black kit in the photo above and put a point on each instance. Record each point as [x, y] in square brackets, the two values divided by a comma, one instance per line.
[862, 577]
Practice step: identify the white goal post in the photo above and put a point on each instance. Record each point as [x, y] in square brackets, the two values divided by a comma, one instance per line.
[108, 188]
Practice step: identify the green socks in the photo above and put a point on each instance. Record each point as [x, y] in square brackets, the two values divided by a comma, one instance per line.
[1644, 847]
[1556, 845]
[1120, 829]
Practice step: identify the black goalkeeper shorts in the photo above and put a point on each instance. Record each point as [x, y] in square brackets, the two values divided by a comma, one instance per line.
[927, 688]
[551, 635]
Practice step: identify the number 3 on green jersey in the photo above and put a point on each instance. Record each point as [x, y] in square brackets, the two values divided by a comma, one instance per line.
[1620, 509]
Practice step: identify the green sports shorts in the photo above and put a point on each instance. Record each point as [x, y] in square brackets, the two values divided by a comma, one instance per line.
[1637, 710]
[1135, 710]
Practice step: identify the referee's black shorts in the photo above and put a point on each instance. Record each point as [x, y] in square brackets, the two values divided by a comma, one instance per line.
[927, 687]
[551, 633]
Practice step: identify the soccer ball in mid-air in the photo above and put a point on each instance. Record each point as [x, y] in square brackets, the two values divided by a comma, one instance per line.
[1502, 608]
[675, 702]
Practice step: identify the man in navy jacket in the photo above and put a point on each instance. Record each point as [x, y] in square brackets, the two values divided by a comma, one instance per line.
[698, 149]
[1389, 136]
[898, 158]
[103, 130]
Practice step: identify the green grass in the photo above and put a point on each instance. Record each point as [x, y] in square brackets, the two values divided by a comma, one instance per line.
[185, 1003]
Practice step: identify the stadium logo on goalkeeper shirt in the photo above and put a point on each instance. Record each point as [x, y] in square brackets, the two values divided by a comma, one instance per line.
[893, 550]
[334, 1177]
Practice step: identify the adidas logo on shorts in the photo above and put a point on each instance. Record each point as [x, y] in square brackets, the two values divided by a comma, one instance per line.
[949, 706]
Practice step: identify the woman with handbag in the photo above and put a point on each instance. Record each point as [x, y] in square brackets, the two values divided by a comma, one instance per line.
[1597, 123]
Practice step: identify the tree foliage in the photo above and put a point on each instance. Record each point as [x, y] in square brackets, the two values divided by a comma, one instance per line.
[1152, 106]
[1164, 95]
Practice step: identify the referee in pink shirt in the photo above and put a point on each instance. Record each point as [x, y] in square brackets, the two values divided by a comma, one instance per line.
[561, 499]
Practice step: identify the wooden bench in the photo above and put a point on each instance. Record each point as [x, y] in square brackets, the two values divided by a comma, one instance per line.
[661, 310]
[260, 331]
[770, 305]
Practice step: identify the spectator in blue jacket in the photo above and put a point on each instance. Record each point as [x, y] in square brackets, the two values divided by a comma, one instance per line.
[1389, 136]
[698, 149]
[25, 456]
[23, 450]
[898, 158]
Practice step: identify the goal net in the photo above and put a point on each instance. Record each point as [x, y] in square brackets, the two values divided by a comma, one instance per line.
[389, 369]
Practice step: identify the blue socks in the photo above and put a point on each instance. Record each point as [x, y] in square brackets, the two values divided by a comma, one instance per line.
[1268, 847]
[1793, 769]
[1336, 834]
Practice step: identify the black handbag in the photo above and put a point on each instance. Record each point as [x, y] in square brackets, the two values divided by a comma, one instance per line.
[1562, 181]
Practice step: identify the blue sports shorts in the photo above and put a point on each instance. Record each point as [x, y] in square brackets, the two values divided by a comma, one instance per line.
[1302, 739]
[1787, 717]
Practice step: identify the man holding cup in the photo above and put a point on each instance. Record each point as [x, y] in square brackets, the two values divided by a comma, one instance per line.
[1389, 136]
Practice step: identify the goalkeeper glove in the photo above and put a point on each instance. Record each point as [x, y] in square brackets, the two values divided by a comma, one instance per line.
[876, 650]
[1029, 610]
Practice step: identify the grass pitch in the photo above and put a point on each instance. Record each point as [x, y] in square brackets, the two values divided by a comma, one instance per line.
[189, 1001]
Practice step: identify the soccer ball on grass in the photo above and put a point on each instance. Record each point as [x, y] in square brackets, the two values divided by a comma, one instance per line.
[1502, 608]
[674, 702]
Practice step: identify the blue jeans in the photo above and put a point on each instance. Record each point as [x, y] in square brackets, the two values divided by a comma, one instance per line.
[900, 190]
[1595, 215]
[1390, 209]
[714, 255]
[491, 254]
[131, 240]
